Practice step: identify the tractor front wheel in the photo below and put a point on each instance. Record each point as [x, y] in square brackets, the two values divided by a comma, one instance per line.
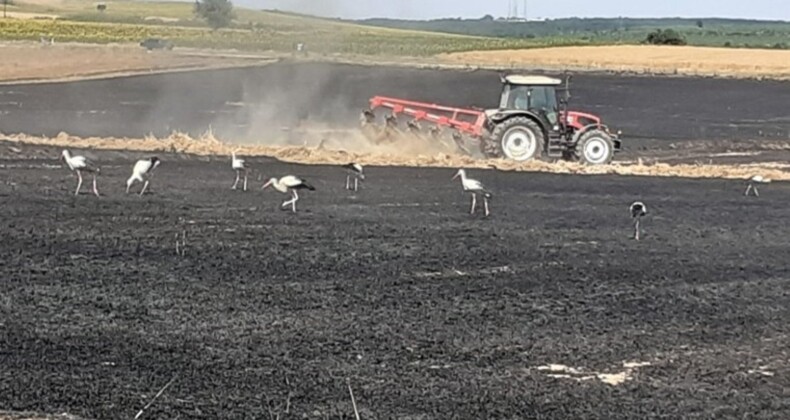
[595, 147]
[518, 138]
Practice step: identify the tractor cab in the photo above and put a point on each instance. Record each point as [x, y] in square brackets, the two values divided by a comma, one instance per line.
[537, 94]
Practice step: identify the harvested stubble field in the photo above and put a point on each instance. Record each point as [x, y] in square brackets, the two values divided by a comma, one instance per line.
[26, 61]
[545, 310]
[689, 61]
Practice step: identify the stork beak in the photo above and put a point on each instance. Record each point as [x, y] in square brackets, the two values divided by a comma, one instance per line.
[266, 184]
[456, 175]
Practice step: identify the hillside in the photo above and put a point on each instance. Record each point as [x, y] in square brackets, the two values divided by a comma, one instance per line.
[702, 32]
[133, 21]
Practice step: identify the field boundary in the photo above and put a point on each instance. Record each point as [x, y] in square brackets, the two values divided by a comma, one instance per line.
[208, 145]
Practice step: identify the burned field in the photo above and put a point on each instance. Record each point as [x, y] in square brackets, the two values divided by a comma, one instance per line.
[252, 104]
[430, 312]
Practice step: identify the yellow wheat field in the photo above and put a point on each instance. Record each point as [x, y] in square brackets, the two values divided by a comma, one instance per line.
[702, 61]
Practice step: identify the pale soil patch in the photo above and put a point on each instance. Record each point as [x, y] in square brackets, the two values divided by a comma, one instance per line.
[334, 152]
[725, 62]
[26, 15]
[559, 371]
[6, 415]
[161, 19]
[29, 61]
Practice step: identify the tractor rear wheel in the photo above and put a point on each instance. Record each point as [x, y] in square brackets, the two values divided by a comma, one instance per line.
[518, 138]
[595, 147]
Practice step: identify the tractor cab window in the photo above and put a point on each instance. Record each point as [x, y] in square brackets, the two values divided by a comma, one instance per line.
[535, 98]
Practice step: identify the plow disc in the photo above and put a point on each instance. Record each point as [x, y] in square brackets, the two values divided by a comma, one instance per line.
[393, 130]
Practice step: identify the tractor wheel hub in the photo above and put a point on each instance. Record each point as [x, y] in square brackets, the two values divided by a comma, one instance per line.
[519, 144]
[596, 151]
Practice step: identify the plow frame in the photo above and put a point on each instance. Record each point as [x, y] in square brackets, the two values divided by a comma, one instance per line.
[468, 121]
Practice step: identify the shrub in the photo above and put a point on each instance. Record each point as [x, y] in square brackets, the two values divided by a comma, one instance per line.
[217, 13]
[665, 37]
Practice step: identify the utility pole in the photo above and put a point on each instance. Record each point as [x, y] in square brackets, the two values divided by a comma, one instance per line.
[525, 11]
[5, 6]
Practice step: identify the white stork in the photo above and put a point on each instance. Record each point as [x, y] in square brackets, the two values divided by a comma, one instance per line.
[142, 171]
[638, 210]
[289, 184]
[474, 187]
[355, 170]
[80, 164]
[757, 179]
[239, 165]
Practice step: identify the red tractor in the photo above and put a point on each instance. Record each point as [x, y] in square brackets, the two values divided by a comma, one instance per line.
[531, 122]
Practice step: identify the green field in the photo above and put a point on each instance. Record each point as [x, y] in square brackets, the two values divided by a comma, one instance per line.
[699, 32]
[127, 21]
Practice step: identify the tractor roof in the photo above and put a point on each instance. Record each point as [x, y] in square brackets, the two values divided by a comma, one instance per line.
[516, 79]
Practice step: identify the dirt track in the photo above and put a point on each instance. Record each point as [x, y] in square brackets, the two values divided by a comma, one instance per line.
[433, 314]
[254, 104]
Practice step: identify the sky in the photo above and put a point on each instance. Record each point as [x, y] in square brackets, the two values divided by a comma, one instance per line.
[428, 9]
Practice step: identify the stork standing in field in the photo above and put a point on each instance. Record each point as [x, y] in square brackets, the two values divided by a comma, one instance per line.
[289, 184]
[474, 187]
[355, 170]
[142, 172]
[239, 165]
[79, 164]
[638, 210]
[757, 179]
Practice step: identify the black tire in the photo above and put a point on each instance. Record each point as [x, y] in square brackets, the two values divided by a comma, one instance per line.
[595, 147]
[517, 138]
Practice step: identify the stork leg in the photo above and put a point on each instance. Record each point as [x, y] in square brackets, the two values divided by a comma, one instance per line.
[79, 183]
[485, 204]
[238, 176]
[636, 229]
[95, 187]
[293, 202]
[356, 184]
[145, 187]
[474, 203]
[748, 189]
[756, 193]
[245, 180]
[348, 182]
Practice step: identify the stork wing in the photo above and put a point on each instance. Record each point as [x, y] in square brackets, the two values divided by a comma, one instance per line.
[475, 185]
[141, 167]
[290, 181]
[82, 163]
